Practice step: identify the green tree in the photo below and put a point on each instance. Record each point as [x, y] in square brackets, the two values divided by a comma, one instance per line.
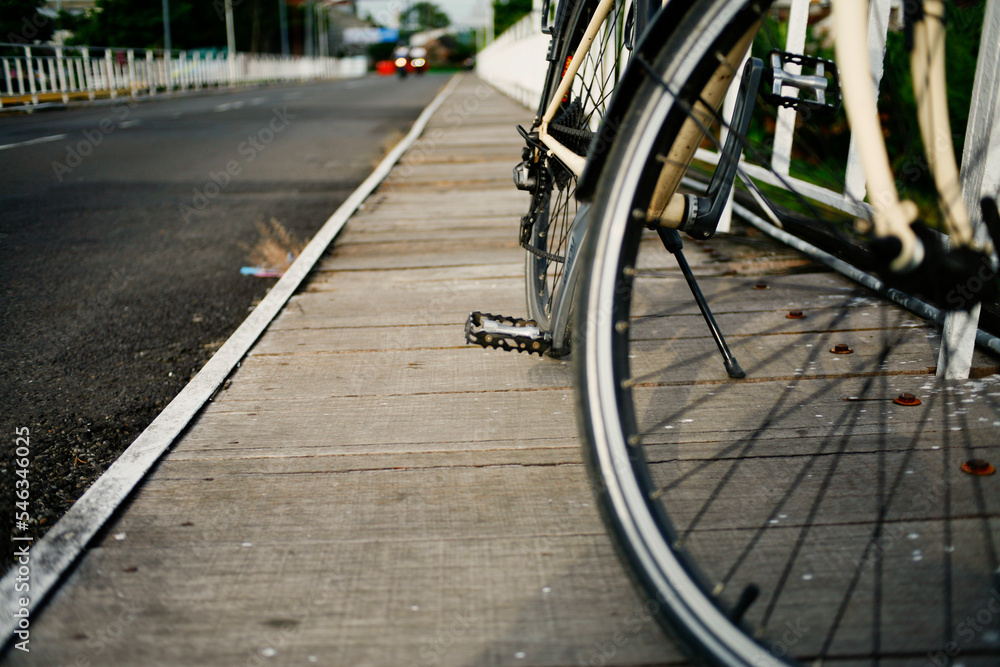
[422, 16]
[20, 22]
[508, 12]
[193, 24]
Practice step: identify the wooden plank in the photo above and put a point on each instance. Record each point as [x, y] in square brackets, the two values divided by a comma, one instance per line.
[504, 418]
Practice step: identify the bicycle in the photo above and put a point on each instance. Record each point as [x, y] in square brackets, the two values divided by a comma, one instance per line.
[769, 533]
[590, 40]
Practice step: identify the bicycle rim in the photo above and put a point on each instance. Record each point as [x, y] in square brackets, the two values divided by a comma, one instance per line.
[852, 515]
[554, 206]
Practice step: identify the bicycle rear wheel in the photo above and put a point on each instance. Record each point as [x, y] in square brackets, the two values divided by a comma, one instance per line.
[802, 514]
[553, 203]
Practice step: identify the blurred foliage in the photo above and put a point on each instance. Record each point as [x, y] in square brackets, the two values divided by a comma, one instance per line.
[193, 24]
[508, 12]
[423, 16]
[898, 106]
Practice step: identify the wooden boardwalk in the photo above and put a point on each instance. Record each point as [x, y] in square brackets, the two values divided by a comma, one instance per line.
[369, 490]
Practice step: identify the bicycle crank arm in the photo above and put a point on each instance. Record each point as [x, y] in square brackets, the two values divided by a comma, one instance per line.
[702, 214]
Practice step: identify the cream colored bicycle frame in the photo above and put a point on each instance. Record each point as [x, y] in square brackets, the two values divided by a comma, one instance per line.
[574, 162]
[892, 216]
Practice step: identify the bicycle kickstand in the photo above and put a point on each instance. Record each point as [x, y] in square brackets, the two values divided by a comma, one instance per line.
[671, 239]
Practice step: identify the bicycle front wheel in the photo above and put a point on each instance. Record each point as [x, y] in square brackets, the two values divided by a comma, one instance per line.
[802, 514]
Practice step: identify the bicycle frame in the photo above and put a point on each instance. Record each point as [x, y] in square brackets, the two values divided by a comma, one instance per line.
[643, 10]
[563, 298]
[574, 162]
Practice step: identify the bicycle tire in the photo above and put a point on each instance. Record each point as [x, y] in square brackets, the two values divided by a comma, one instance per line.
[553, 205]
[701, 515]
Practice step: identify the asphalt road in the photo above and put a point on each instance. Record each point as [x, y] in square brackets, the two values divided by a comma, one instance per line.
[123, 230]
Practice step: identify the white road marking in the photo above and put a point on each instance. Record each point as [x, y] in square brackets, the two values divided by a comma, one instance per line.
[40, 140]
[229, 105]
[131, 123]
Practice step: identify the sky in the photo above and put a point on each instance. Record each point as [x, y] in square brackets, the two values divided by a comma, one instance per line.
[461, 12]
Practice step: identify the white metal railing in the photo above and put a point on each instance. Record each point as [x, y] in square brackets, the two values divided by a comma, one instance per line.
[515, 62]
[32, 75]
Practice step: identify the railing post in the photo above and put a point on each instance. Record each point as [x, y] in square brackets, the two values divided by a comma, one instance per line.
[6, 75]
[88, 73]
[150, 72]
[31, 75]
[133, 84]
[878, 26]
[784, 131]
[980, 177]
[61, 69]
[109, 66]
[20, 77]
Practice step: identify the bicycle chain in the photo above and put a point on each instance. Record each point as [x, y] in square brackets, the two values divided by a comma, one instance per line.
[503, 341]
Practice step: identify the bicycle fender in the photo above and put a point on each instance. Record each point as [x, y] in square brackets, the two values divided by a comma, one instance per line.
[652, 40]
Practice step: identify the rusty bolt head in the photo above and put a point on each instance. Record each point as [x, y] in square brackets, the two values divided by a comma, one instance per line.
[906, 399]
[842, 348]
[795, 315]
[978, 467]
[760, 284]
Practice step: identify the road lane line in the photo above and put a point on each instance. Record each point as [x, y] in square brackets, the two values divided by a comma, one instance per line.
[40, 140]
[229, 105]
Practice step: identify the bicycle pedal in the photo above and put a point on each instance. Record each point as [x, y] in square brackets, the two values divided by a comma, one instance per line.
[817, 78]
[505, 333]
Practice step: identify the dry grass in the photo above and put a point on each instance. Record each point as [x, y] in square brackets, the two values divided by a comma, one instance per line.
[276, 249]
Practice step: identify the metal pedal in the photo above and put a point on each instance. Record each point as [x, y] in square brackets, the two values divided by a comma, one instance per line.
[505, 333]
[823, 84]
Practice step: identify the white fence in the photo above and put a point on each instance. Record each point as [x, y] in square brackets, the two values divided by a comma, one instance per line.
[33, 75]
[515, 63]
